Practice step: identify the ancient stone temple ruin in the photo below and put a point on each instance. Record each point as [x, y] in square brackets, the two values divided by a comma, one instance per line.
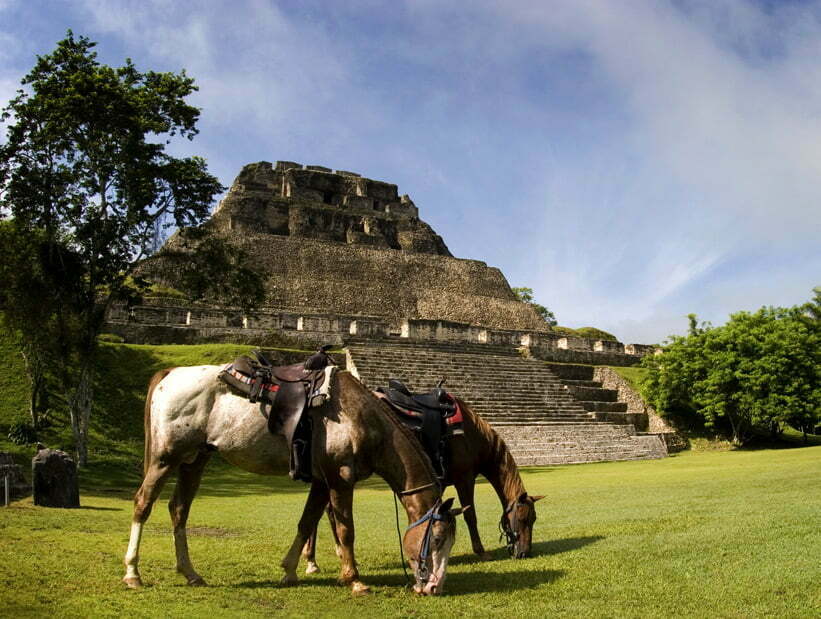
[347, 260]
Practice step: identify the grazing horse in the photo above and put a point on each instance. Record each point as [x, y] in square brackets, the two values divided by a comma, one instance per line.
[480, 451]
[189, 414]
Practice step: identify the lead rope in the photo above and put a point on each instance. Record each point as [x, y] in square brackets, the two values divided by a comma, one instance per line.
[399, 537]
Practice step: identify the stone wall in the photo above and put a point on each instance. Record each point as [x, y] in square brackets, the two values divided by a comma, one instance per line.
[168, 320]
[308, 275]
[656, 424]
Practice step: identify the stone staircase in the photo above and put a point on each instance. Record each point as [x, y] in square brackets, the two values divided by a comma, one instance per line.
[539, 418]
[602, 403]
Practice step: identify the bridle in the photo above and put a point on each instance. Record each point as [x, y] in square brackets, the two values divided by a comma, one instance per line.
[510, 530]
[432, 515]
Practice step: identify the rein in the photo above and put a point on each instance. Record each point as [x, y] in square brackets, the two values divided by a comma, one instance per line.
[417, 489]
[510, 531]
[430, 517]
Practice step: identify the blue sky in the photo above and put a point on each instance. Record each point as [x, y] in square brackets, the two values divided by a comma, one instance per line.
[632, 162]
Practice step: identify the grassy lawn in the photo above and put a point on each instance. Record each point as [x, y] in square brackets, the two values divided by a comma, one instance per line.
[733, 534]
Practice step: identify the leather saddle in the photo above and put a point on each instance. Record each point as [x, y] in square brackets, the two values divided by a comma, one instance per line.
[285, 393]
[434, 416]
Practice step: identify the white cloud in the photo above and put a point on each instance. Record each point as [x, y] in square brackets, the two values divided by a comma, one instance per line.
[626, 160]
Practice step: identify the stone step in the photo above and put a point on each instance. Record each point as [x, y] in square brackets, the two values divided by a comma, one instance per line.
[525, 401]
[581, 383]
[432, 345]
[604, 407]
[596, 394]
[571, 371]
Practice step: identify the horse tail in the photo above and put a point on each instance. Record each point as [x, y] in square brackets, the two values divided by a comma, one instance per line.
[155, 380]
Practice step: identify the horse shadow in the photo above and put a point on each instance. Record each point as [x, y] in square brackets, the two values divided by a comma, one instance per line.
[558, 546]
[552, 547]
[457, 584]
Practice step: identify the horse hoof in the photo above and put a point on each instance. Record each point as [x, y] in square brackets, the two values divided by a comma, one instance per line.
[133, 582]
[359, 588]
[197, 582]
[289, 581]
[312, 568]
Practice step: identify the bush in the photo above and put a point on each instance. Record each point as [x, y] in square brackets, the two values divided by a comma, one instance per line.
[595, 334]
[591, 333]
[111, 338]
[757, 372]
[22, 433]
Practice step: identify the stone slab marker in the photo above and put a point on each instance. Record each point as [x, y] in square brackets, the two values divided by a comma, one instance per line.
[54, 478]
[14, 474]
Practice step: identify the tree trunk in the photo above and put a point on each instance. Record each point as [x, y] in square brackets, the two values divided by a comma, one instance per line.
[37, 379]
[737, 424]
[80, 409]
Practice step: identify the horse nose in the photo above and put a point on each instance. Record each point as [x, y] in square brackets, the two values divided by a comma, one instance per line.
[432, 590]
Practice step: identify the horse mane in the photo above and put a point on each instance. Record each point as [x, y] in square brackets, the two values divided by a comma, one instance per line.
[403, 429]
[499, 460]
[155, 380]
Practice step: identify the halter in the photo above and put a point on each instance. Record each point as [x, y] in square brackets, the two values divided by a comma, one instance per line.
[431, 516]
[510, 531]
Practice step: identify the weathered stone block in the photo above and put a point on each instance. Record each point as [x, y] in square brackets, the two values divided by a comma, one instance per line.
[54, 478]
[608, 346]
[18, 487]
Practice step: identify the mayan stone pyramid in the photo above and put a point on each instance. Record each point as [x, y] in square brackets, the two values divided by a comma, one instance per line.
[336, 243]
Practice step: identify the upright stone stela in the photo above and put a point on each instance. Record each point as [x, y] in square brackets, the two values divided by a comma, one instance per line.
[347, 260]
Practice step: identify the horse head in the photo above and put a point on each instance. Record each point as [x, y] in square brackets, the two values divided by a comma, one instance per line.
[517, 523]
[428, 543]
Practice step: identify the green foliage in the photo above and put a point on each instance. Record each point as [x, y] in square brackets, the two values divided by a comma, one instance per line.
[23, 433]
[595, 334]
[111, 338]
[761, 369]
[525, 295]
[85, 167]
[589, 332]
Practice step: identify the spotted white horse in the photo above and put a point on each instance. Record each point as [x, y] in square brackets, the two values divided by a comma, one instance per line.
[189, 414]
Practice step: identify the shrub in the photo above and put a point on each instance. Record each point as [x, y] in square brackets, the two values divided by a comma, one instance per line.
[111, 338]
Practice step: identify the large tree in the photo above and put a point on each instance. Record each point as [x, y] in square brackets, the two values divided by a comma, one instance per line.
[761, 369]
[85, 166]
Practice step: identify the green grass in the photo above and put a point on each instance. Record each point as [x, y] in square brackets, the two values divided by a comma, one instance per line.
[730, 534]
[633, 375]
[123, 372]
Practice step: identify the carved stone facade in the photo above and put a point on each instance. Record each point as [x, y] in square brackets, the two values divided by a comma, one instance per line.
[314, 202]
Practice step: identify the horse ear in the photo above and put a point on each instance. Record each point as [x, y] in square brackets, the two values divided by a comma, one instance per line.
[537, 497]
[460, 510]
[522, 497]
[445, 506]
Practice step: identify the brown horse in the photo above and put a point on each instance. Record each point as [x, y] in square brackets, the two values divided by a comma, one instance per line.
[189, 414]
[480, 451]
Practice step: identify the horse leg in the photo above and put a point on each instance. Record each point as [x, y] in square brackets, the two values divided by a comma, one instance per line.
[342, 503]
[317, 499]
[464, 488]
[309, 553]
[332, 522]
[153, 482]
[188, 482]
